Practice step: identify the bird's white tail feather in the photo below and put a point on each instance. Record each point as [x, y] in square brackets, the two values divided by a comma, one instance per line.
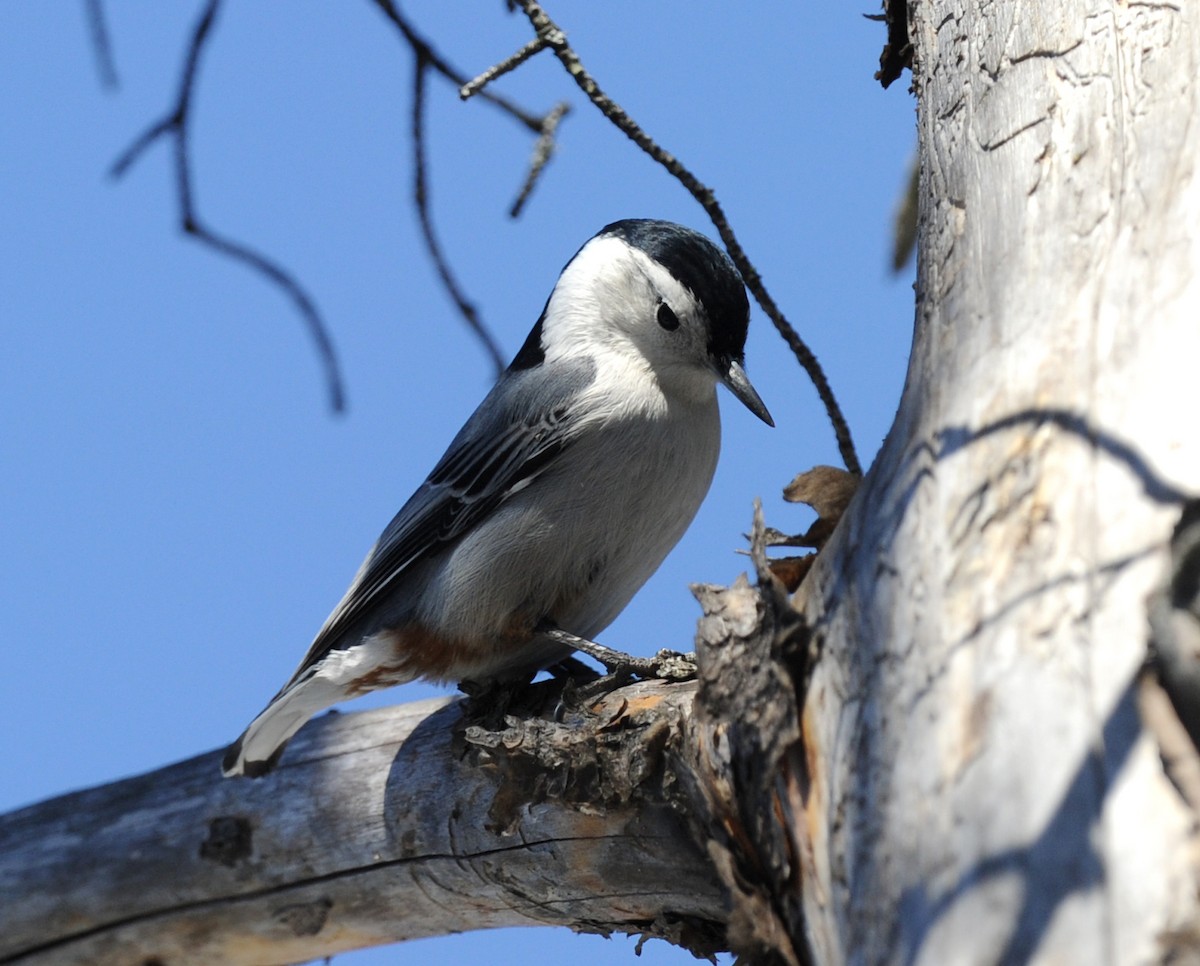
[332, 680]
[257, 750]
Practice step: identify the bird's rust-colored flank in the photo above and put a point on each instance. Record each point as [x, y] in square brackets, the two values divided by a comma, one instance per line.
[421, 653]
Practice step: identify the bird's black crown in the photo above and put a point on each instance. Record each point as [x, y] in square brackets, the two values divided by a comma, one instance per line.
[701, 267]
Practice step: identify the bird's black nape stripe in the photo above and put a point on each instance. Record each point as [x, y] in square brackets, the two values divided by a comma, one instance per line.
[701, 267]
[532, 353]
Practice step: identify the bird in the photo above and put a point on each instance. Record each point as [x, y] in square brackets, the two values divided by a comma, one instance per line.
[558, 498]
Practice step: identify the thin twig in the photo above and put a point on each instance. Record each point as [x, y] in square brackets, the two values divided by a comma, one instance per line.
[102, 44]
[473, 87]
[421, 198]
[127, 157]
[554, 38]
[175, 125]
[300, 298]
[427, 58]
[422, 48]
[543, 151]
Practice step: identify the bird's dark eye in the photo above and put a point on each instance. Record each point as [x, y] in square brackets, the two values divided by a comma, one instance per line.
[666, 318]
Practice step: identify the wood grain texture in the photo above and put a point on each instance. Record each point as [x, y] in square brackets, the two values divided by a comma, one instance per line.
[981, 788]
[377, 827]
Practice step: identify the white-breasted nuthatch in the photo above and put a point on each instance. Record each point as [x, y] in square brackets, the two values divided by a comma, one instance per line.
[560, 496]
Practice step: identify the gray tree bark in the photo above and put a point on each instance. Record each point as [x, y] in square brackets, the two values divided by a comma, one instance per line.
[977, 779]
[378, 827]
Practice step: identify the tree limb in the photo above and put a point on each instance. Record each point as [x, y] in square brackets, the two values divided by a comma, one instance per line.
[106, 64]
[175, 125]
[382, 826]
[466, 308]
[545, 127]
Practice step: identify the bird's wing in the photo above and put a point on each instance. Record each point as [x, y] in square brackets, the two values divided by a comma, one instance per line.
[517, 432]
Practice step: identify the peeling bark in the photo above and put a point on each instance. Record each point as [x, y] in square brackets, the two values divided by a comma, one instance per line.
[743, 742]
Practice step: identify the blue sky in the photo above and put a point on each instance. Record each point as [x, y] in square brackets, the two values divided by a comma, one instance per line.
[181, 508]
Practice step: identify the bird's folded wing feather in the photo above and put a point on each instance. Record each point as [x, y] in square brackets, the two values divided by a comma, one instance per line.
[518, 432]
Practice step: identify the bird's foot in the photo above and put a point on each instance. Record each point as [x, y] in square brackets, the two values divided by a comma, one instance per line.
[488, 702]
[573, 669]
[622, 668]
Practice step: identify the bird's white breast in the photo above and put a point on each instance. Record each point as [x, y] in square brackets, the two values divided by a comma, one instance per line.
[577, 543]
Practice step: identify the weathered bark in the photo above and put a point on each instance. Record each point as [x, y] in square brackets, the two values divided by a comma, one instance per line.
[970, 780]
[378, 827]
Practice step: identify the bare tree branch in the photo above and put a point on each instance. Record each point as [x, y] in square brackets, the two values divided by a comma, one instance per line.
[175, 126]
[106, 65]
[422, 48]
[476, 85]
[543, 151]
[553, 37]
[378, 827]
[421, 200]
[545, 127]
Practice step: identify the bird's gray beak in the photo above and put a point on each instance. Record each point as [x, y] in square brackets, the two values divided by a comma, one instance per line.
[738, 383]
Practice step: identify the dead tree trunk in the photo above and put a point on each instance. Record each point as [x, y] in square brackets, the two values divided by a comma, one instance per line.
[971, 780]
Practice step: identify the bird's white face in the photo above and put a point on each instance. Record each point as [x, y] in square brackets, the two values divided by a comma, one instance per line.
[613, 298]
